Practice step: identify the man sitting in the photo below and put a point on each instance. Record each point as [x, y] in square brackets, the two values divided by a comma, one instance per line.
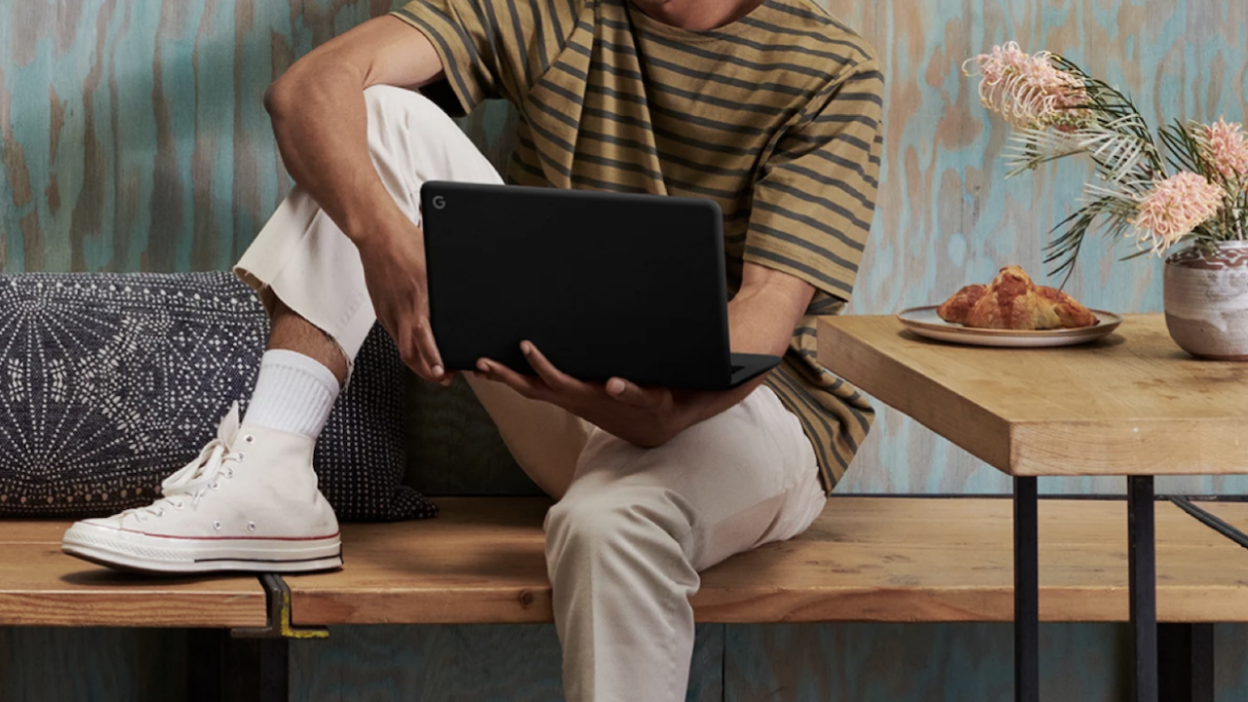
[769, 107]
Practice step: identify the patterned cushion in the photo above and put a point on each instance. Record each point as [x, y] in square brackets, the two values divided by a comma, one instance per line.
[109, 382]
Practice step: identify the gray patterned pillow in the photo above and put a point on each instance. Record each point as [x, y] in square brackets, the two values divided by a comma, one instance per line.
[110, 382]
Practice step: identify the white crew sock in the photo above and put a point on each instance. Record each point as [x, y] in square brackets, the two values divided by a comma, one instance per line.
[293, 393]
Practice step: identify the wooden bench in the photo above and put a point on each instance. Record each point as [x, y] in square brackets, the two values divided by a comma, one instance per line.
[40, 586]
[873, 559]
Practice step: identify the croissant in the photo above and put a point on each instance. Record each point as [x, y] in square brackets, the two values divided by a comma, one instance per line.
[1014, 302]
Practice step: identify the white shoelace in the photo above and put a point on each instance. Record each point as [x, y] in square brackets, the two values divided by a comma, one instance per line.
[193, 480]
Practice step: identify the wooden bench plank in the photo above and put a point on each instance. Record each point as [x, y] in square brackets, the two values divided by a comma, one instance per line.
[865, 559]
[1233, 513]
[40, 586]
[482, 560]
[32, 531]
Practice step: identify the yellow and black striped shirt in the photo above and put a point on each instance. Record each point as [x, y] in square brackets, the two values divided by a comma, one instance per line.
[776, 116]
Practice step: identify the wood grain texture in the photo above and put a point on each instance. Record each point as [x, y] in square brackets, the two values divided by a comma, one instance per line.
[481, 662]
[40, 586]
[951, 560]
[864, 559]
[1131, 404]
[133, 134]
[1233, 513]
[481, 561]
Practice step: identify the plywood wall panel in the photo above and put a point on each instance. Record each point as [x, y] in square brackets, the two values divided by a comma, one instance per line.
[132, 136]
[947, 215]
[133, 132]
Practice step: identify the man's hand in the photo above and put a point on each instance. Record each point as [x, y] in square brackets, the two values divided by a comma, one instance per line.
[394, 269]
[321, 126]
[645, 417]
[761, 319]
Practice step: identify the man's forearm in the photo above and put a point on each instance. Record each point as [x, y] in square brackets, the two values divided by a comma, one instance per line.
[321, 123]
[761, 320]
[321, 128]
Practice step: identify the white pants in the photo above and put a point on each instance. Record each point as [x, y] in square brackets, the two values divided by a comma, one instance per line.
[632, 527]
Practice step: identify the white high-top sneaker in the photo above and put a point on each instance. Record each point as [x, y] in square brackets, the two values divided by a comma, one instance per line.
[248, 502]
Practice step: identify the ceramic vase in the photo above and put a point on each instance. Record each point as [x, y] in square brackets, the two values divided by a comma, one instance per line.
[1207, 300]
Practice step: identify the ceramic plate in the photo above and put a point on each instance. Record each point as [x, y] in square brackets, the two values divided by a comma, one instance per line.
[925, 322]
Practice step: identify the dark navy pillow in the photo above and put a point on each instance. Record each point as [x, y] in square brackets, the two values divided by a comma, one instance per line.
[110, 382]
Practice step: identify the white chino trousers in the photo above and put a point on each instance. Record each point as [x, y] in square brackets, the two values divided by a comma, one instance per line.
[632, 527]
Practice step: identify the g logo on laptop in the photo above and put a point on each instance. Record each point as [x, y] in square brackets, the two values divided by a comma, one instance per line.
[439, 202]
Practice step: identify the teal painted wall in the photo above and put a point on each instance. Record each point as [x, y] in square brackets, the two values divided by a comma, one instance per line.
[946, 214]
[132, 137]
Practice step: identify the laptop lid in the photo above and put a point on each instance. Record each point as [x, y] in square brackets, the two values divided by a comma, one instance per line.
[605, 284]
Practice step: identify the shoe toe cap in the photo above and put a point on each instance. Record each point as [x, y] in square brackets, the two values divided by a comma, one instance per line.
[94, 526]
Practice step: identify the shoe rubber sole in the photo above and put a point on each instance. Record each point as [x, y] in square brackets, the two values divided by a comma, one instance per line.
[132, 551]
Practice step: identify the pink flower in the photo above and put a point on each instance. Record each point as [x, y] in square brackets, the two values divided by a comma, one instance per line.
[1225, 147]
[1174, 208]
[1028, 90]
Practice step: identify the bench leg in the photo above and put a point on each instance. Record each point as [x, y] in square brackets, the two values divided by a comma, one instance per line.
[221, 668]
[1142, 563]
[1026, 591]
[1185, 652]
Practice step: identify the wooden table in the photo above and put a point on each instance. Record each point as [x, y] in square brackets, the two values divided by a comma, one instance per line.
[1132, 404]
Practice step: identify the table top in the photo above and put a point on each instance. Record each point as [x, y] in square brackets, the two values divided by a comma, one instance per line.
[1130, 404]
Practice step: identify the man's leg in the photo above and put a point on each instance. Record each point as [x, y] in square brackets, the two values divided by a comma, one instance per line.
[310, 278]
[545, 440]
[625, 544]
[290, 332]
[302, 262]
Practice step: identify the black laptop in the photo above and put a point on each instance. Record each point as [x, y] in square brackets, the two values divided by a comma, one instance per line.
[605, 284]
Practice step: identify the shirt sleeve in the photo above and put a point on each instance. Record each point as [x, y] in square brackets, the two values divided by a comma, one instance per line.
[491, 48]
[814, 203]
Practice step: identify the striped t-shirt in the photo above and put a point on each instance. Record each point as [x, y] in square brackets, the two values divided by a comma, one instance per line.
[776, 116]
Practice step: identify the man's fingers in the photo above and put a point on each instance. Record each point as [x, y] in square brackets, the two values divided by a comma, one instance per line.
[414, 357]
[532, 388]
[555, 378]
[408, 350]
[631, 394]
[422, 335]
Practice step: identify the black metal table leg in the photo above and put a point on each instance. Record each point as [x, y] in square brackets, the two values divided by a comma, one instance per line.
[1026, 591]
[1142, 564]
[1185, 654]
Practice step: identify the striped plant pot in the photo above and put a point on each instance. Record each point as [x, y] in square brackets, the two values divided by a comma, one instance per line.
[1207, 301]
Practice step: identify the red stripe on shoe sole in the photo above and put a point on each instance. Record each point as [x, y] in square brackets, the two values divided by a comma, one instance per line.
[234, 538]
